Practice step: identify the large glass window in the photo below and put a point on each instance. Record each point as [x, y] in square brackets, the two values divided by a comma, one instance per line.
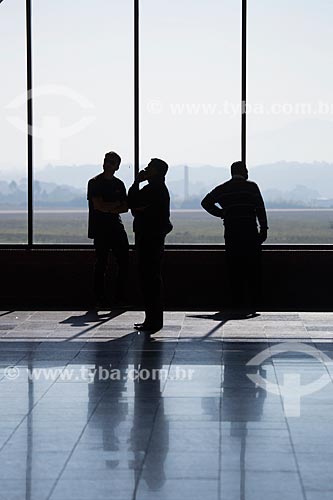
[83, 103]
[190, 103]
[13, 130]
[290, 116]
[190, 110]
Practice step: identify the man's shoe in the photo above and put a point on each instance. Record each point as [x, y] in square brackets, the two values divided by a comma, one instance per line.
[148, 327]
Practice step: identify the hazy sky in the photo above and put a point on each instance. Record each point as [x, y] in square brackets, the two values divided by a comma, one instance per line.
[190, 81]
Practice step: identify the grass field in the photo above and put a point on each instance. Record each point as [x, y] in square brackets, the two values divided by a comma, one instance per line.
[193, 226]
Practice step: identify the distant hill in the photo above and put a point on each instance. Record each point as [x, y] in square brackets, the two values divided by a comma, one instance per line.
[77, 176]
[283, 176]
[288, 175]
[282, 183]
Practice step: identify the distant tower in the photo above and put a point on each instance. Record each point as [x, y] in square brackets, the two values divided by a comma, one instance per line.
[186, 183]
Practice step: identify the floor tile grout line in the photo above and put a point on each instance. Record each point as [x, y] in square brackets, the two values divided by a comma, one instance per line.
[291, 442]
[154, 420]
[84, 428]
[149, 439]
[35, 404]
[14, 365]
[43, 394]
[268, 340]
[23, 418]
[74, 448]
[137, 482]
[290, 434]
[219, 485]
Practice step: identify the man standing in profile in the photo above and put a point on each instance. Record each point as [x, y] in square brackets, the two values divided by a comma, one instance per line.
[107, 199]
[241, 206]
[151, 210]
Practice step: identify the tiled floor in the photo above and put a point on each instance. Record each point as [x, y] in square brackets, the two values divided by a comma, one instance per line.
[212, 407]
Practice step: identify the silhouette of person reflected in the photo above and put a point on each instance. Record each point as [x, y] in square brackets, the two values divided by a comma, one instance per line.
[132, 432]
[149, 415]
[107, 200]
[241, 206]
[242, 403]
[113, 410]
[150, 207]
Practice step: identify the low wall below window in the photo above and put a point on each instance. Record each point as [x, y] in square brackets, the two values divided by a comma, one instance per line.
[193, 278]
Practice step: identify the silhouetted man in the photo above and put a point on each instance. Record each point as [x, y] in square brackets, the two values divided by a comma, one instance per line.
[107, 199]
[151, 210]
[240, 206]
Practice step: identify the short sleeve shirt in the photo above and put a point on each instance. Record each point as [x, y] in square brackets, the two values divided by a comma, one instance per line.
[110, 190]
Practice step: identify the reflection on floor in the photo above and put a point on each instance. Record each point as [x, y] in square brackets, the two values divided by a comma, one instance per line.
[214, 407]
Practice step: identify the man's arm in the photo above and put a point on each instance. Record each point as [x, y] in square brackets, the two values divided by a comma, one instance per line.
[138, 199]
[209, 204]
[111, 207]
[262, 216]
[134, 195]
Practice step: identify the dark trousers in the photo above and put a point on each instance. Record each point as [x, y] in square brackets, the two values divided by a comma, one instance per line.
[150, 250]
[118, 243]
[243, 258]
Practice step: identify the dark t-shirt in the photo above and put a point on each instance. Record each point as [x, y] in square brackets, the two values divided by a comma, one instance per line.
[110, 190]
[153, 204]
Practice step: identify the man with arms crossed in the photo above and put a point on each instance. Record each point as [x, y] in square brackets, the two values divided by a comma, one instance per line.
[107, 199]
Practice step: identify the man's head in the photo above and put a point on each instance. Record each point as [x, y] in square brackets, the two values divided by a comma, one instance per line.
[111, 162]
[156, 169]
[239, 168]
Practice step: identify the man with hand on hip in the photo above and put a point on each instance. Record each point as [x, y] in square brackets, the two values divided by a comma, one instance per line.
[239, 203]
